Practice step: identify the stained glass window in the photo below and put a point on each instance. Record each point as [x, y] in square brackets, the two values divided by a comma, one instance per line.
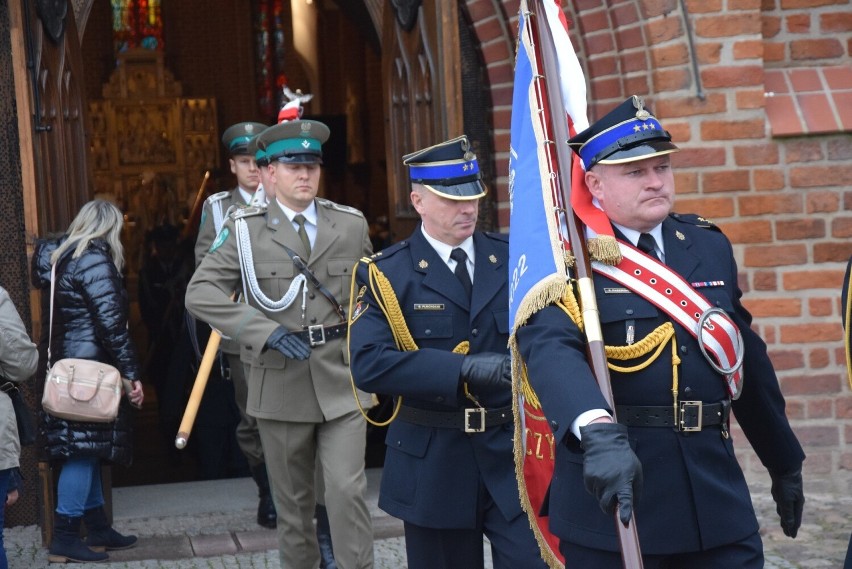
[269, 44]
[137, 23]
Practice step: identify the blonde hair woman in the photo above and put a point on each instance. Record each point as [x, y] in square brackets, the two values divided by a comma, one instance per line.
[90, 313]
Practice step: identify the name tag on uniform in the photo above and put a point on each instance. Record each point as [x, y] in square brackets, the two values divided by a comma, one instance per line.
[424, 306]
[615, 290]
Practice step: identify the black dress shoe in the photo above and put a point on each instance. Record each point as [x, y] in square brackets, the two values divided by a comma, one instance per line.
[266, 516]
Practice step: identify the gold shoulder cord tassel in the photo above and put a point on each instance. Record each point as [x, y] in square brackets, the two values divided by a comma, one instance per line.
[653, 342]
[388, 303]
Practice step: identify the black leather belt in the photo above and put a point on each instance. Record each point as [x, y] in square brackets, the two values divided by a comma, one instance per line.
[319, 334]
[470, 420]
[9, 387]
[692, 416]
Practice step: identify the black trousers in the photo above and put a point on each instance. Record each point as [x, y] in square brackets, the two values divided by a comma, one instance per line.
[744, 554]
[513, 545]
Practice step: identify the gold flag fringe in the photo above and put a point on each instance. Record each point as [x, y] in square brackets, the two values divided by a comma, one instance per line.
[604, 248]
[520, 386]
[553, 289]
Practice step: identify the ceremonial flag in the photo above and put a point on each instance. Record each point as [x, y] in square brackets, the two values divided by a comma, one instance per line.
[539, 255]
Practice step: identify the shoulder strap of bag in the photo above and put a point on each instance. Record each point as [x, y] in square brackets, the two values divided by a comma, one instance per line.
[50, 329]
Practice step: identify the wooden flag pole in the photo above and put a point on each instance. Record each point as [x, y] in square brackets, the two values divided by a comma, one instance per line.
[558, 129]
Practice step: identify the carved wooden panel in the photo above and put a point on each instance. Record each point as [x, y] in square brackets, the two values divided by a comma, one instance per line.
[149, 146]
[421, 74]
[59, 143]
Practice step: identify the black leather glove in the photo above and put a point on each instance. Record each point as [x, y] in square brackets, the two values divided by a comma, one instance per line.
[789, 500]
[289, 344]
[611, 471]
[487, 372]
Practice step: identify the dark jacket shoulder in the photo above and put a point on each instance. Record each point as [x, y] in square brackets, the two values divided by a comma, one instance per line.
[40, 265]
[387, 253]
[495, 236]
[695, 220]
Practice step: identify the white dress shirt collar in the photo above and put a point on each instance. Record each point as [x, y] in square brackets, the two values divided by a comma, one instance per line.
[245, 195]
[633, 236]
[310, 213]
[444, 250]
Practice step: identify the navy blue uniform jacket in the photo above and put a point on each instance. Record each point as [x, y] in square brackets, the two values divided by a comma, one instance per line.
[695, 496]
[432, 476]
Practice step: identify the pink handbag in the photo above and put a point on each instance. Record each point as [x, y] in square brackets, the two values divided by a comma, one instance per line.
[78, 389]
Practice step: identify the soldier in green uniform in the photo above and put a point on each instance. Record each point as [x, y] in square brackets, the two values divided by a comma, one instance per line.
[248, 425]
[236, 139]
[292, 261]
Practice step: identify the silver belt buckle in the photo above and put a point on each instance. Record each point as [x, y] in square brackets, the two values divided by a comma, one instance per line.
[316, 335]
[479, 413]
[699, 405]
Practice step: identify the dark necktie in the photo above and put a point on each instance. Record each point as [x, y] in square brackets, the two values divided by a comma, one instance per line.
[647, 245]
[303, 235]
[460, 257]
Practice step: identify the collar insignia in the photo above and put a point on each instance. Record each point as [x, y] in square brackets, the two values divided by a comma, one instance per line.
[422, 264]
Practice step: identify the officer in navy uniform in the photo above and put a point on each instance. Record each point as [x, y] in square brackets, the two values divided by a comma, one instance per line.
[437, 342]
[292, 262]
[694, 509]
[236, 139]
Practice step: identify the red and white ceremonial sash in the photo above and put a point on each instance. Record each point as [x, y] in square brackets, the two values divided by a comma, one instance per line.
[669, 292]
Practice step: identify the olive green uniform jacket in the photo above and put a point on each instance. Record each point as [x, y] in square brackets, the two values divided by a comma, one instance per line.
[279, 388]
[216, 205]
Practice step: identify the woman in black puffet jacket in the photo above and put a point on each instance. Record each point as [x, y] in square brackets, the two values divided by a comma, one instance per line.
[90, 313]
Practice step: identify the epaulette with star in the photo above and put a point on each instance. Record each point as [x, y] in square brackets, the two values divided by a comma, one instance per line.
[696, 220]
[247, 211]
[339, 207]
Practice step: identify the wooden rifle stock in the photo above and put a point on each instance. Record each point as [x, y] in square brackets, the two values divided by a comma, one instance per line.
[545, 47]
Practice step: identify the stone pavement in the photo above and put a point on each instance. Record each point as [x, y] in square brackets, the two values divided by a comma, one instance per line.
[211, 525]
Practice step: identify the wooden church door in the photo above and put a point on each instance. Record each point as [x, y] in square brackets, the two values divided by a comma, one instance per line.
[422, 90]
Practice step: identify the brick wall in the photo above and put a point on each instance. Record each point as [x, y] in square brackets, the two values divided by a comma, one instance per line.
[801, 32]
[781, 201]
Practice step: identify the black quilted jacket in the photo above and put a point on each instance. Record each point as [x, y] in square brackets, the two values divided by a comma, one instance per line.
[89, 321]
